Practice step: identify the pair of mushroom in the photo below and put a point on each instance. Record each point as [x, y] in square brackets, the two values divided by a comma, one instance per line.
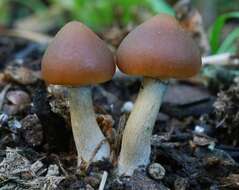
[157, 49]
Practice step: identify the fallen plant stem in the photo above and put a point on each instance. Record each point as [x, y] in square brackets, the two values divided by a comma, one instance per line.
[29, 35]
[103, 180]
[218, 59]
[94, 153]
[60, 165]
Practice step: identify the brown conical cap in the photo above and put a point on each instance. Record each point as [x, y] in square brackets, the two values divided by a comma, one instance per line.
[77, 56]
[159, 48]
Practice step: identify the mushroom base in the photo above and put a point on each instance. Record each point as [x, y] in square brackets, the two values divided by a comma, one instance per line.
[90, 142]
[136, 146]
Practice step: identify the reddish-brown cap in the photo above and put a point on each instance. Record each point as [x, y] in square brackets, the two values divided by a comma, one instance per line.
[159, 48]
[77, 56]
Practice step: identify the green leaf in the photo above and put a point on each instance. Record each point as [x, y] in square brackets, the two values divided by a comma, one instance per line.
[160, 6]
[217, 28]
[69, 4]
[127, 3]
[4, 13]
[99, 14]
[229, 44]
[96, 14]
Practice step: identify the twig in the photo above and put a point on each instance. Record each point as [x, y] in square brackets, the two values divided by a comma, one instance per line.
[218, 59]
[103, 180]
[95, 152]
[60, 165]
[220, 123]
[119, 135]
[29, 35]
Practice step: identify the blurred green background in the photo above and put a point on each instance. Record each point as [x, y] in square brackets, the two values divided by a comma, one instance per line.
[49, 15]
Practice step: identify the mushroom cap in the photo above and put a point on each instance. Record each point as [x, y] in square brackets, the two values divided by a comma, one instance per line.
[77, 56]
[159, 48]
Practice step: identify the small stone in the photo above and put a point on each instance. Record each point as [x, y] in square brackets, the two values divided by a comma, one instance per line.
[18, 101]
[156, 171]
[127, 107]
[18, 97]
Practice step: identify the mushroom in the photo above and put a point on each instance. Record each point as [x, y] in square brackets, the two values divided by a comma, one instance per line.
[78, 58]
[158, 49]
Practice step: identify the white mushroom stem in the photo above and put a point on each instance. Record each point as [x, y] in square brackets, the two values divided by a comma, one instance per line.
[89, 140]
[136, 146]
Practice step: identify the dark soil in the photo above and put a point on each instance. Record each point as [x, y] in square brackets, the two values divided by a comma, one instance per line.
[195, 139]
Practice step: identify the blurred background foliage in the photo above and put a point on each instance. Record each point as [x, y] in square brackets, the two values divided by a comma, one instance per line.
[97, 14]
[100, 15]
